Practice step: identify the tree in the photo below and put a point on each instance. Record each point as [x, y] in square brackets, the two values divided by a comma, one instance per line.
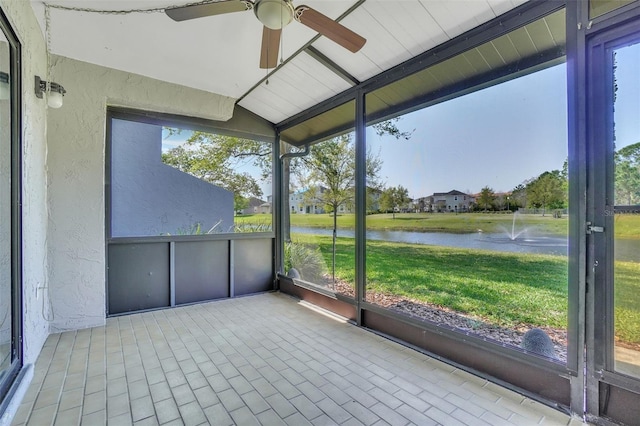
[627, 174]
[373, 199]
[389, 127]
[500, 201]
[547, 191]
[216, 158]
[386, 200]
[329, 174]
[212, 157]
[485, 200]
[239, 203]
[393, 198]
[518, 197]
[627, 185]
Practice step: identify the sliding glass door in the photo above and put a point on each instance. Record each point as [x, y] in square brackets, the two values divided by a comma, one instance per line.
[10, 318]
[613, 227]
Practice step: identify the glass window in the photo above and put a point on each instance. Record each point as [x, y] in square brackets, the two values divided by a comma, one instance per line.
[168, 181]
[10, 262]
[626, 221]
[495, 263]
[5, 208]
[320, 242]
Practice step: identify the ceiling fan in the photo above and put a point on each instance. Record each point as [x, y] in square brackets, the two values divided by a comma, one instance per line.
[274, 15]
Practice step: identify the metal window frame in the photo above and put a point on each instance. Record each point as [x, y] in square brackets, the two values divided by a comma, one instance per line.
[244, 124]
[15, 54]
[576, 15]
[602, 383]
[503, 24]
[514, 19]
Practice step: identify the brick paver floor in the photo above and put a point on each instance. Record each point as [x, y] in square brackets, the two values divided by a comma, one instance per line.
[266, 359]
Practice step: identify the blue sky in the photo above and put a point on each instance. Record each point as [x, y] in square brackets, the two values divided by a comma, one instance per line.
[178, 139]
[496, 137]
[173, 141]
[627, 106]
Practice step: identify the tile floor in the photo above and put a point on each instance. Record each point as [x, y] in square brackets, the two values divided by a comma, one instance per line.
[265, 359]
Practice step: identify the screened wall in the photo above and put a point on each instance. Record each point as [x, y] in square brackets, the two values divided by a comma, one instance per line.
[468, 230]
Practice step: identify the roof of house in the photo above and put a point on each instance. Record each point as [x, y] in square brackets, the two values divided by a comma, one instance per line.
[454, 192]
[255, 202]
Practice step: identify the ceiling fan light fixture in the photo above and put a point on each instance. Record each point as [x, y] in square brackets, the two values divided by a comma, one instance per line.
[274, 14]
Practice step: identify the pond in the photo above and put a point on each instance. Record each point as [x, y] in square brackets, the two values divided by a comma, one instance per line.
[482, 241]
[626, 250]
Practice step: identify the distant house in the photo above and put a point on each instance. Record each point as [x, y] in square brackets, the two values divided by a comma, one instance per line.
[452, 201]
[309, 201]
[423, 204]
[254, 206]
[306, 201]
[265, 208]
[373, 199]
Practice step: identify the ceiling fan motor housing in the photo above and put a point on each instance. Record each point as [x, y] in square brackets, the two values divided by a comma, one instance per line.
[274, 14]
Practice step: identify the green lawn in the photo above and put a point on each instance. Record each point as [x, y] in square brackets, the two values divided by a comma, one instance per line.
[627, 226]
[427, 222]
[467, 222]
[627, 301]
[439, 222]
[502, 288]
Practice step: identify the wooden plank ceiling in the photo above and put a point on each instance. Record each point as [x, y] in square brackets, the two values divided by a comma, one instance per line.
[395, 31]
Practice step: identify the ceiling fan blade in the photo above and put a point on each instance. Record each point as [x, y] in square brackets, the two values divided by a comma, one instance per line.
[270, 46]
[330, 28]
[183, 13]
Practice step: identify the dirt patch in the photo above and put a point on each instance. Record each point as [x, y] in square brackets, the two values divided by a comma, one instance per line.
[464, 323]
[627, 345]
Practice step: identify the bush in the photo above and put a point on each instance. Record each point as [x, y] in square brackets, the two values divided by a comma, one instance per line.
[306, 260]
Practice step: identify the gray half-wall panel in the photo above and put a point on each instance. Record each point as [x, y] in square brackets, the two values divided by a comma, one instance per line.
[252, 266]
[138, 277]
[201, 271]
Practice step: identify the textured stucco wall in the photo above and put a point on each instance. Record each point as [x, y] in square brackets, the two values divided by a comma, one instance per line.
[75, 160]
[34, 211]
[150, 198]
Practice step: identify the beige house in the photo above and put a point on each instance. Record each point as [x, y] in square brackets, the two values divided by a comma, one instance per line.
[452, 201]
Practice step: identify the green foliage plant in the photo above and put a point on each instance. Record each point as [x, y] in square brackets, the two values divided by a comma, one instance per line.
[306, 260]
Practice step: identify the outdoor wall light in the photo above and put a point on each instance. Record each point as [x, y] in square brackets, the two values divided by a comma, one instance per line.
[54, 92]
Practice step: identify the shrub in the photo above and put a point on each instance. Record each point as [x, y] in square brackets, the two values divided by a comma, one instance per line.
[306, 260]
